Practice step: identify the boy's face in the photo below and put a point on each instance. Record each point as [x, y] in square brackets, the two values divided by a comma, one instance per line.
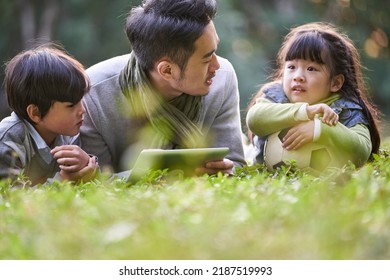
[63, 118]
[306, 81]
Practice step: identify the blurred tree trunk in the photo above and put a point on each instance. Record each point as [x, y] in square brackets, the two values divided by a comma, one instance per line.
[37, 20]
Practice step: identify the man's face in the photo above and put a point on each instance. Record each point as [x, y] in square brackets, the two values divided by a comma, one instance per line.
[202, 65]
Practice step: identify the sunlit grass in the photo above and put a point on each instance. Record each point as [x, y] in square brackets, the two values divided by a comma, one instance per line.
[344, 214]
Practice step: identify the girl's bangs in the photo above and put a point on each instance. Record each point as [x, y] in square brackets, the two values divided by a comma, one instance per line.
[308, 46]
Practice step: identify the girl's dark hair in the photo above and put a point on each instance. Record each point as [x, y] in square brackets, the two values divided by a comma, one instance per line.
[323, 43]
[168, 28]
[41, 76]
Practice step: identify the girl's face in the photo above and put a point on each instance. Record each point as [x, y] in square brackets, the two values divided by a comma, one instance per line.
[307, 81]
[63, 118]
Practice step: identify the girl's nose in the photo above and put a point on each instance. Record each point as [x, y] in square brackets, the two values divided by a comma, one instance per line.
[299, 78]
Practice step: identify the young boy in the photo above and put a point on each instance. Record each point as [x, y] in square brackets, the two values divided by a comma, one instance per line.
[44, 87]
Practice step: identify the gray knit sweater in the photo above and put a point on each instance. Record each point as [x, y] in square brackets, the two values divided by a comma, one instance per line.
[113, 138]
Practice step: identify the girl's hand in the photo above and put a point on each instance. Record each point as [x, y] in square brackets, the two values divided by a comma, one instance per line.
[70, 158]
[299, 135]
[329, 116]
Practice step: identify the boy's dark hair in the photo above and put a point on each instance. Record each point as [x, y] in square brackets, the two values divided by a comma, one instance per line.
[168, 28]
[41, 76]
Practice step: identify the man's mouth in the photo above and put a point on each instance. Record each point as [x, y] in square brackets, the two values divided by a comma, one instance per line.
[209, 81]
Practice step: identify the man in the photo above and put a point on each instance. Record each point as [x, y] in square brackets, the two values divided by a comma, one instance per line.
[172, 90]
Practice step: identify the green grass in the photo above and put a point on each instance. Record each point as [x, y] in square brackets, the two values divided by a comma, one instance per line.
[287, 214]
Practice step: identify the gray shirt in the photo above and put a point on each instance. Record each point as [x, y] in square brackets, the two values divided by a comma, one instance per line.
[23, 149]
[109, 133]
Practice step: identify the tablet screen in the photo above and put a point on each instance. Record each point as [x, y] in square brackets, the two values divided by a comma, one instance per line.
[184, 159]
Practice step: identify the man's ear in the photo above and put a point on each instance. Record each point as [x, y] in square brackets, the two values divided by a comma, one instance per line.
[166, 69]
[337, 83]
[34, 113]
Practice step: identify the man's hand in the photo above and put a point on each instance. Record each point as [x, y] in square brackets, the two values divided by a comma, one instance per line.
[213, 167]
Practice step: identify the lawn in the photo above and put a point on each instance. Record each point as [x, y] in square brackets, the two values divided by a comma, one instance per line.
[255, 214]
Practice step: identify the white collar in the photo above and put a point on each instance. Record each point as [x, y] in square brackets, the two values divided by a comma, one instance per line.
[42, 147]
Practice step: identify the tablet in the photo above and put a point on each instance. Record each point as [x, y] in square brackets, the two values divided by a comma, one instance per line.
[183, 159]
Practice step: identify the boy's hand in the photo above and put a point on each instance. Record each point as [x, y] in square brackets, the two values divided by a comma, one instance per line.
[86, 174]
[70, 158]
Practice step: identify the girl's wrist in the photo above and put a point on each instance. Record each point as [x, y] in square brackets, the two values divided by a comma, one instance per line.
[302, 113]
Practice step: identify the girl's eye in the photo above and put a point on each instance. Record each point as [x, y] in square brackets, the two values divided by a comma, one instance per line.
[311, 68]
[290, 66]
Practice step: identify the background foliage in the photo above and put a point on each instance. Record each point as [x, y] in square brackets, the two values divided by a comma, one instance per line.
[251, 32]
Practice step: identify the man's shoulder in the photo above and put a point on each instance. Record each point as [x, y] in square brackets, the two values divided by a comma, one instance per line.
[107, 69]
[225, 75]
[225, 64]
[224, 84]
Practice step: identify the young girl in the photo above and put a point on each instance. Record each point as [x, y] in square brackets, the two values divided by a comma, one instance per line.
[318, 93]
[44, 87]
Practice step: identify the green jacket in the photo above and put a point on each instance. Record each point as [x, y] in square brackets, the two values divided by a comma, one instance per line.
[349, 143]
